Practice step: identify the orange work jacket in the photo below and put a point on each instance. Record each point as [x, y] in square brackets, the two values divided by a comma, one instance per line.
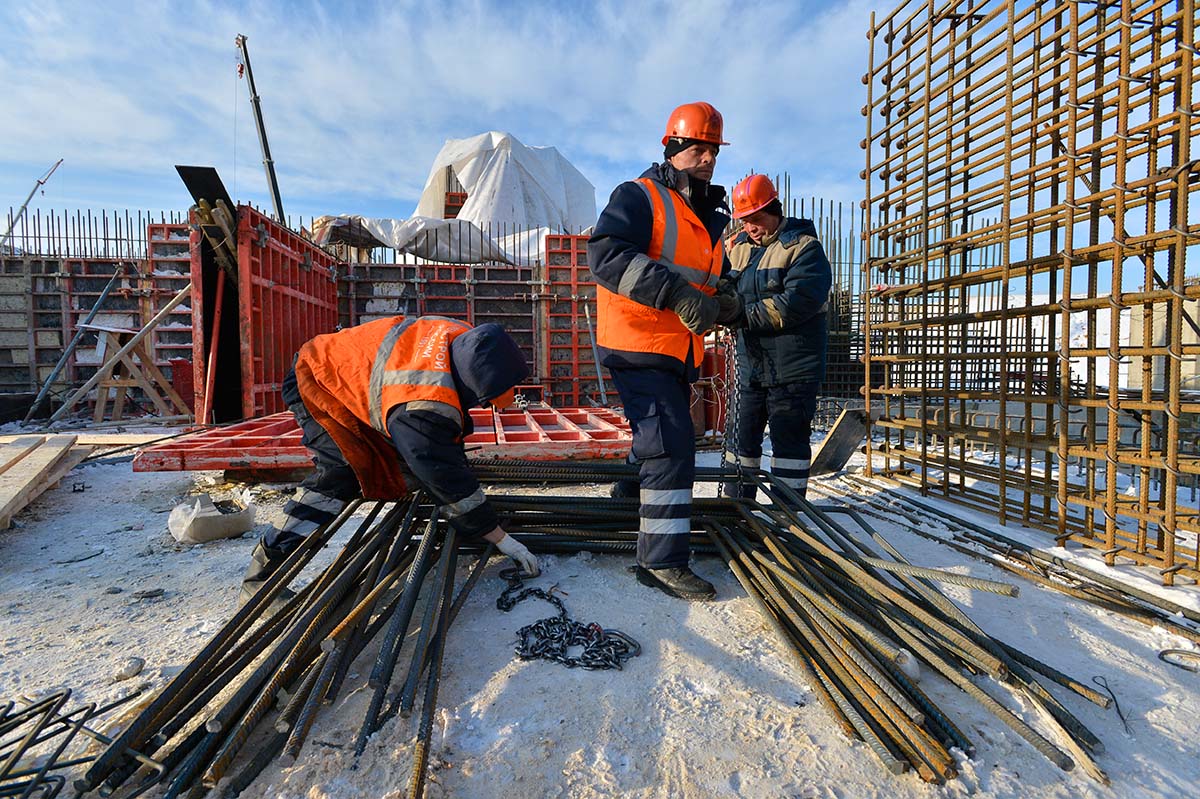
[351, 379]
[680, 242]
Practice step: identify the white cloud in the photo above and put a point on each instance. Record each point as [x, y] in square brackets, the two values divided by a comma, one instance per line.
[357, 106]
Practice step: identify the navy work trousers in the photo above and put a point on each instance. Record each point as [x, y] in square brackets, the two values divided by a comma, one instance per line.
[320, 496]
[789, 409]
[658, 407]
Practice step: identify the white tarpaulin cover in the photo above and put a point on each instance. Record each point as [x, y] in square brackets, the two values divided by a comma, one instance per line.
[509, 183]
[515, 196]
[454, 241]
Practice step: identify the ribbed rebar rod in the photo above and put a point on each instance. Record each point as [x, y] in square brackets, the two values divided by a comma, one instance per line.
[175, 693]
[416, 786]
[385, 664]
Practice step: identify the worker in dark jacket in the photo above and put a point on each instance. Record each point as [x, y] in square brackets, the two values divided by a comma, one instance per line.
[383, 407]
[657, 257]
[783, 279]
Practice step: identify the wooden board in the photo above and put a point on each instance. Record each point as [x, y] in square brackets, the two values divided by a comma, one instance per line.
[100, 439]
[61, 469]
[13, 451]
[842, 442]
[26, 478]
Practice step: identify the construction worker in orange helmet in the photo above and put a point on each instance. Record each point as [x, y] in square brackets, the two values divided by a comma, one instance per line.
[783, 279]
[383, 408]
[657, 257]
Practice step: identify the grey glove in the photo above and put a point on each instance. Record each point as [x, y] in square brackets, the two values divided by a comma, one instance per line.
[696, 310]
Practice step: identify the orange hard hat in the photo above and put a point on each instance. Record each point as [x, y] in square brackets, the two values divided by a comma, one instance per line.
[699, 121]
[753, 194]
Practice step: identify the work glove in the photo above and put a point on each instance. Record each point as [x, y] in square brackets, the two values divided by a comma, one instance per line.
[731, 313]
[695, 309]
[518, 552]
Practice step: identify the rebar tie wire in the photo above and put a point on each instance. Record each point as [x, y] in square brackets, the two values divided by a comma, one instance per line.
[1101, 681]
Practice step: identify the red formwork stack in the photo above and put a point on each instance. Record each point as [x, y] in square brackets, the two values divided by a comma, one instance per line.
[285, 293]
[272, 444]
[569, 327]
[167, 271]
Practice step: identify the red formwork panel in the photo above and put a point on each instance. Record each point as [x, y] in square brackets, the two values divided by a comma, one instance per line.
[273, 442]
[287, 293]
[569, 356]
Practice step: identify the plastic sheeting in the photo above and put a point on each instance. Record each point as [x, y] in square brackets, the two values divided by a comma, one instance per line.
[452, 241]
[508, 183]
[516, 195]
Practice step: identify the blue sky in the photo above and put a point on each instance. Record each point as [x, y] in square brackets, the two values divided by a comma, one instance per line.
[359, 97]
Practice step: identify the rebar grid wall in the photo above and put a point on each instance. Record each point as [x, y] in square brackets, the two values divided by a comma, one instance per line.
[1029, 173]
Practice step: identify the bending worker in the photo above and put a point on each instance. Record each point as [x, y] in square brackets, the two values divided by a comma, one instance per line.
[657, 257]
[783, 279]
[383, 407]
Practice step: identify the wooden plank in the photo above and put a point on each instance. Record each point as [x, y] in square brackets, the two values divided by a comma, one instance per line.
[12, 452]
[73, 458]
[842, 442]
[103, 439]
[19, 485]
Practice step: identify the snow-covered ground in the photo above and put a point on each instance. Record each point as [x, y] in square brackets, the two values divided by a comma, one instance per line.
[711, 707]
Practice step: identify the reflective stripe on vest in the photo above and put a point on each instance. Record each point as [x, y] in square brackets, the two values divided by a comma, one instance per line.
[677, 234]
[417, 380]
[664, 241]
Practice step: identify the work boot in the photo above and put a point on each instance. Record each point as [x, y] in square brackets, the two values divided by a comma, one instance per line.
[682, 583]
[263, 563]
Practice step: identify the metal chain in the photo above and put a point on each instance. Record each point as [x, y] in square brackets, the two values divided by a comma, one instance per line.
[729, 342]
[552, 638]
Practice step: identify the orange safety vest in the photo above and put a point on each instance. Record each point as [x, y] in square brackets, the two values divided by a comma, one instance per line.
[351, 379]
[680, 242]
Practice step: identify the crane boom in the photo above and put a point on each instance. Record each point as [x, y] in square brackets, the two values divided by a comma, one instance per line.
[256, 104]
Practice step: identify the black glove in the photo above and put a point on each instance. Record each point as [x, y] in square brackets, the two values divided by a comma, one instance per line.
[696, 310]
[731, 314]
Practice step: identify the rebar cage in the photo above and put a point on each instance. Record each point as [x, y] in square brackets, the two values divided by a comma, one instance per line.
[1032, 333]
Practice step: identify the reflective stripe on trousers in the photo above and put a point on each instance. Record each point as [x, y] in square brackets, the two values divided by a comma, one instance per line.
[789, 409]
[306, 511]
[657, 405]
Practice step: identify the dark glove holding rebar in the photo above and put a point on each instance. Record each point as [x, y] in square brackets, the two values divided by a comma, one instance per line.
[731, 314]
[695, 309]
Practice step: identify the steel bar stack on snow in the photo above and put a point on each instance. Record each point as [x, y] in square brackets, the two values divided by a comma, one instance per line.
[880, 499]
[851, 614]
[845, 612]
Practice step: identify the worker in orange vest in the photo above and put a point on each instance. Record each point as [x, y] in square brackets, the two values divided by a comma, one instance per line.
[383, 407]
[783, 277]
[657, 258]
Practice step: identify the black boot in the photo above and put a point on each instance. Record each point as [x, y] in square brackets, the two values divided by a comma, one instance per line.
[626, 488]
[263, 564]
[682, 583]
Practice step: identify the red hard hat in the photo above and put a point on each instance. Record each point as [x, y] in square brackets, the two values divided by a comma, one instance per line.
[699, 121]
[753, 194]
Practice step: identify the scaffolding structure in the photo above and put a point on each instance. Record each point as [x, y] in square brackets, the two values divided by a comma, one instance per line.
[1032, 332]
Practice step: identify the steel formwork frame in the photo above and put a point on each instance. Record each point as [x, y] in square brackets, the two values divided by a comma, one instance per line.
[1029, 173]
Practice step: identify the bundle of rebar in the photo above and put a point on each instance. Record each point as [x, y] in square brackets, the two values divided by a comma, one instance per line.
[847, 615]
